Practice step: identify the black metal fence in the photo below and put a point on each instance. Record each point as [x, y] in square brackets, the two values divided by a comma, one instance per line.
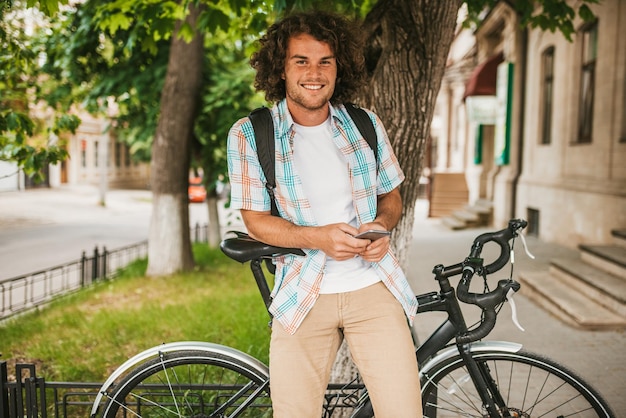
[24, 394]
[26, 292]
[31, 396]
[31, 290]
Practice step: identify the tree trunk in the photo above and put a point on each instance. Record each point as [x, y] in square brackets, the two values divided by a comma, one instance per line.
[169, 246]
[407, 48]
[214, 233]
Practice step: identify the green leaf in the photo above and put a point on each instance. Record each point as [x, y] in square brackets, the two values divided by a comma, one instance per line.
[186, 32]
[217, 19]
[115, 22]
[585, 13]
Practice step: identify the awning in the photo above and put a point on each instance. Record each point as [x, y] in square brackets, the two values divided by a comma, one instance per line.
[482, 82]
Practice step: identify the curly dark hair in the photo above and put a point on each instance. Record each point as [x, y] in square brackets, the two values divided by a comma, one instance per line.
[341, 34]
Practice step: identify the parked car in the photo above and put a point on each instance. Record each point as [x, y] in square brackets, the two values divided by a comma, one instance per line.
[196, 191]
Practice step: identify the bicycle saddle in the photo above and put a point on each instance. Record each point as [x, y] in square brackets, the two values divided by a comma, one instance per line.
[242, 248]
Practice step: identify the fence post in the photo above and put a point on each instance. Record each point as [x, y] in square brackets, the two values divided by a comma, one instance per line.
[104, 262]
[4, 389]
[83, 264]
[94, 266]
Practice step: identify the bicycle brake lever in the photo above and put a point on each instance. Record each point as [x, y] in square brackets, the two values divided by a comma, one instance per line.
[526, 246]
[509, 297]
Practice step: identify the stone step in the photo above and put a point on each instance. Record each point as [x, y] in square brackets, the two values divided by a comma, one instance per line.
[610, 258]
[479, 209]
[466, 216]
[485, 203]
[606, 289]
[619, 237]
[453, 223]
[566, 303]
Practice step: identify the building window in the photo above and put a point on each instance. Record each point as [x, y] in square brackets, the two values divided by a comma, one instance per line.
[96, 158]
[83, 153]
[533, 222]
[118, 154]
[126, 155]
[623, 135]
[589, 36]
[547, 87]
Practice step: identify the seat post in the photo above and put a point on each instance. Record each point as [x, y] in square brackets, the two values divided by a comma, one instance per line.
[261, 282]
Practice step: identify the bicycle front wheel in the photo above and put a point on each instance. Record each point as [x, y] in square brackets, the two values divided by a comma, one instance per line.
[186, 384]
[523, 384]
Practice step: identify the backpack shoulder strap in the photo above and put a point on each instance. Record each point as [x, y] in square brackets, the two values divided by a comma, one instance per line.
[364, 124]
[263, 126]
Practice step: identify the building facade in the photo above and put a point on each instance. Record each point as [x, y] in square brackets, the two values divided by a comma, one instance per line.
[97, 156]
[537, 123]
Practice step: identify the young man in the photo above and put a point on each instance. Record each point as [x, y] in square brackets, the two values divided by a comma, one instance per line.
[329, 188]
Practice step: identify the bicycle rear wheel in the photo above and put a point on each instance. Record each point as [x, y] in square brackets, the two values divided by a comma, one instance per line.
[529, 385]
[190, 384]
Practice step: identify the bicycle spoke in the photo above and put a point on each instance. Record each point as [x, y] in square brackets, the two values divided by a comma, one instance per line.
[190, 384]
[520, 384]
[452, 398]
[169, 385]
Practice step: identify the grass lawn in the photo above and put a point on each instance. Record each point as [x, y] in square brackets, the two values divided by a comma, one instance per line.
[83, 337]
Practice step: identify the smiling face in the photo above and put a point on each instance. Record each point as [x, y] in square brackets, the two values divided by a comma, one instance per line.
[310, 76]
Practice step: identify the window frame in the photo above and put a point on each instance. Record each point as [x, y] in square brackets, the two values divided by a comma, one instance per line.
[586, 100]
[547, 95]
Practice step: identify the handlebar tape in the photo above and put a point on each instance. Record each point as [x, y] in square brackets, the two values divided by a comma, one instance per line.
[488, 301]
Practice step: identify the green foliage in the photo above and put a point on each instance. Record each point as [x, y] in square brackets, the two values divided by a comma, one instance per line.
[98, 50]
[549, 15]
[110, 322]
[49, 7]
[357, 8]
[227, 96]
[30, 142]
[119, 49]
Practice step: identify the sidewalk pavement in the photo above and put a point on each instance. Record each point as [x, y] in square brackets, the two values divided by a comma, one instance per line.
[598, 356]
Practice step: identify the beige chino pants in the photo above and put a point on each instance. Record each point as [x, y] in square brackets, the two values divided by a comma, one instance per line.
[375, 327]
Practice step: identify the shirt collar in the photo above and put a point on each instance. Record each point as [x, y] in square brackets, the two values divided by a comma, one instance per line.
[285, 121]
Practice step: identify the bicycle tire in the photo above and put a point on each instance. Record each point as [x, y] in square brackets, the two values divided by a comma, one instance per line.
[530, 385]
[190, 384]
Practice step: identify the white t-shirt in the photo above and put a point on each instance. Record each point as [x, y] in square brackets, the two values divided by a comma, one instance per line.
[326, 183]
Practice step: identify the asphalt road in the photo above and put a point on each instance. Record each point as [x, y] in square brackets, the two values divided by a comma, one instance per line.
[43, 228]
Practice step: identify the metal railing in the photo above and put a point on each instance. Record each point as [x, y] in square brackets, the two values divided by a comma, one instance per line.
[31, 396]
[23, 293]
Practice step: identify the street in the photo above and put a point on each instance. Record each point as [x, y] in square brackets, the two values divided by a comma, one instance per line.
[44, 228]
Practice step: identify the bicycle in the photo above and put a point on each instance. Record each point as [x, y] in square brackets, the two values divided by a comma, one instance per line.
[460, 374]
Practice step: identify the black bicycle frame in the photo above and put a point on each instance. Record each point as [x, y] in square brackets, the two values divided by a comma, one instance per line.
[446, 301]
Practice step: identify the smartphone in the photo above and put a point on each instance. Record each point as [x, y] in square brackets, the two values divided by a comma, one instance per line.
[373, 234]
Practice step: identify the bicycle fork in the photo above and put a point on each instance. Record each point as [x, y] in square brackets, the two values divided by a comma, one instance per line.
[486, 386]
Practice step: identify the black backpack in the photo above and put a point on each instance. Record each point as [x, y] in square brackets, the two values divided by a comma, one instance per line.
[263, 125]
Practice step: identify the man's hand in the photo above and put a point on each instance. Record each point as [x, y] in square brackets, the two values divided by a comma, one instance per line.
[338, 242]
[375, 250]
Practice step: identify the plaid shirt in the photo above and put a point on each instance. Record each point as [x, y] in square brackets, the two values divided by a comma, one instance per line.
[298, 279]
